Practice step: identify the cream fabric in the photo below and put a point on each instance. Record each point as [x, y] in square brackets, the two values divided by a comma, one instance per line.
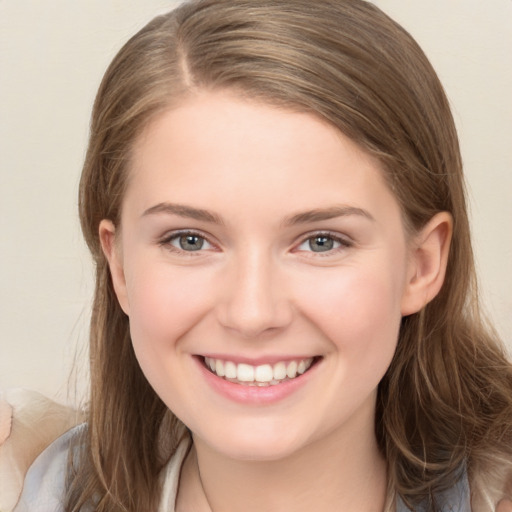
[29, 422]
[45, 481]
[171, 476]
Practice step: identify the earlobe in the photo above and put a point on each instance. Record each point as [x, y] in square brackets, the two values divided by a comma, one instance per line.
[427, 263]
[112, 251]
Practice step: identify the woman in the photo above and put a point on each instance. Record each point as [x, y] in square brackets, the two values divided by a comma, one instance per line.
[273, 196]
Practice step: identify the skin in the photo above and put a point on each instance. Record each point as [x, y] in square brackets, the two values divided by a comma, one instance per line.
[259, 289]
[504, 506]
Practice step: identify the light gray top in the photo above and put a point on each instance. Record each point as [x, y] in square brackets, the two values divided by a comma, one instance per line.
[44, 486]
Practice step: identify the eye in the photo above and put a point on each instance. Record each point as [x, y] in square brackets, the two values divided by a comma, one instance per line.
[187, 241]
[323, 242]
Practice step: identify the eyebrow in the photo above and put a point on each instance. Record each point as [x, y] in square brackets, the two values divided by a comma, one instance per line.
[316, 215]
[184, 211]
[320, 214]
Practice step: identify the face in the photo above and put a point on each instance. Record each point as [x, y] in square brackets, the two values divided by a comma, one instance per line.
[263, 264]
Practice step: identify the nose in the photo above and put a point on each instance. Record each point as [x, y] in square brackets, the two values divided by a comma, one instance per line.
[254, 299]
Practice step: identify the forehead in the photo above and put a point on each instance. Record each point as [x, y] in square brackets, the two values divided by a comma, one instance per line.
[215, 147]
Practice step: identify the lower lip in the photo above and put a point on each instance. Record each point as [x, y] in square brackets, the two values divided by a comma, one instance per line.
[254, 395]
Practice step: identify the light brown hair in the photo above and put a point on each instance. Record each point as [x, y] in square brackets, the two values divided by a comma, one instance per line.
[445, 404]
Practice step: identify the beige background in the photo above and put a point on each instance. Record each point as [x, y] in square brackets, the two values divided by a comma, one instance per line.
[52, 56]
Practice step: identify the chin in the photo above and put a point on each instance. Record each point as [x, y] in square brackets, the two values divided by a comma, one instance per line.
[258, 452]
[256, 443]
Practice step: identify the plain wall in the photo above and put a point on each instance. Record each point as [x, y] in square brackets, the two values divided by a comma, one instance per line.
[52, 56]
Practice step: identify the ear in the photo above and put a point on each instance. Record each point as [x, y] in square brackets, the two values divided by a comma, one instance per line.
[427, 263]
[112, 251]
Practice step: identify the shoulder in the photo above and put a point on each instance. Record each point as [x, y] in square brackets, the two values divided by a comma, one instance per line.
[29, 423]
[45, 482]
[455, 499]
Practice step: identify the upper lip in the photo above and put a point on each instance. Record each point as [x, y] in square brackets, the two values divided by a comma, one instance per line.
[270, 359]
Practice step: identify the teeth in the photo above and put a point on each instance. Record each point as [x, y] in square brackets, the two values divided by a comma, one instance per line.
[279, 371]
[219, 368]
[230, 369]
[244, 373]
[262, 375]
[291, 370]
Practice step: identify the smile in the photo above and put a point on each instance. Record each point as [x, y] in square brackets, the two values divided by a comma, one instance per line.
[261, 375]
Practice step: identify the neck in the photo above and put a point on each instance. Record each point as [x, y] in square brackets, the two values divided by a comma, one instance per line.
[340, 472]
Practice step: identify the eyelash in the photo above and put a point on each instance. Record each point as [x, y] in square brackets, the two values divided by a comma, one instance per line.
[167, 241]
[344, 243]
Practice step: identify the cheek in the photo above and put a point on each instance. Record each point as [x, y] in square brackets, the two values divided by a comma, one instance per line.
[165, 302]
[357, 309]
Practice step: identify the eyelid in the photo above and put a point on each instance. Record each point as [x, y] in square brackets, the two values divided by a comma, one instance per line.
[344, 241]
[165, 241]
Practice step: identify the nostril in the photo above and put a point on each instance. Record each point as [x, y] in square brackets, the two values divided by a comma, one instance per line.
[255, 320]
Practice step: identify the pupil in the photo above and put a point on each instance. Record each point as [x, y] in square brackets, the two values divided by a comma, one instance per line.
[321, 244]
[191, 242]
